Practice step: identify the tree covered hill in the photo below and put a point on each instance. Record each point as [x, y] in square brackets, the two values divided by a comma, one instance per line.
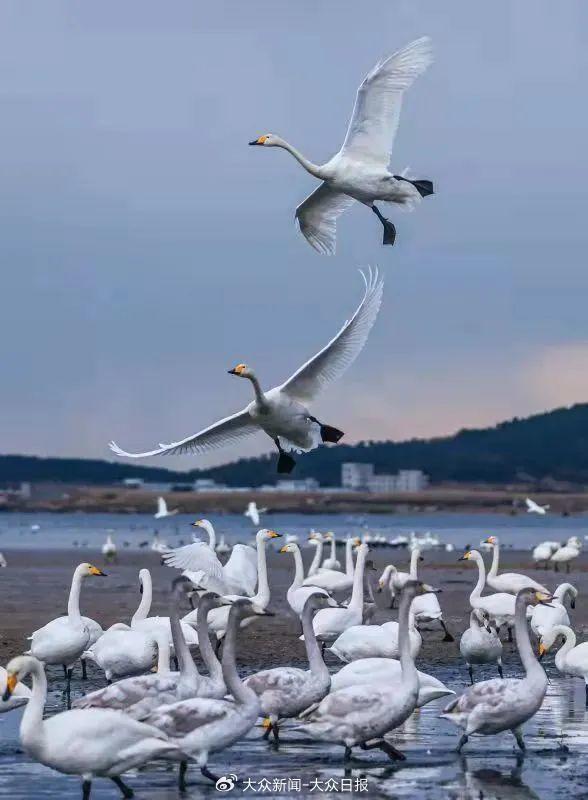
[553, 444]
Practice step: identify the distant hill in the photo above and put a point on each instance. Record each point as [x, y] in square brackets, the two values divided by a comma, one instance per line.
[549, 445]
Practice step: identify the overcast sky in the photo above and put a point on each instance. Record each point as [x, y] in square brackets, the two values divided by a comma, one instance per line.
[146, 249]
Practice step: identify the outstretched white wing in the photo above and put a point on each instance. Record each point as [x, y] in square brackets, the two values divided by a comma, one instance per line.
[317, 217]
[227, 431]
[161, 506]
[332, 361]
[241, 568]
[376, 113]
[197, 556]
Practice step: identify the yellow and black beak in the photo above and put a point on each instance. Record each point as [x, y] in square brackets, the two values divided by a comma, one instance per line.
[11, 682]
[542, 650]
[95, 571]
[274, 535]
[284, 549]
[259, 140]
[465, 557]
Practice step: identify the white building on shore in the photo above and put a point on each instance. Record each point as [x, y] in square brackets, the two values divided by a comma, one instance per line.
[362, 477]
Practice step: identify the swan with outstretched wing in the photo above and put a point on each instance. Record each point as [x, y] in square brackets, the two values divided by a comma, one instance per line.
[282, 412]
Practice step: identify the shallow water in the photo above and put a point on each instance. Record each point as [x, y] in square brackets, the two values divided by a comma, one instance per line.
[555, 767]
[24, 530]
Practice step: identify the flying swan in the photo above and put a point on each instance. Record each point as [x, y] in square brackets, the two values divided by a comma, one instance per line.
[281, 412]
[359, 171]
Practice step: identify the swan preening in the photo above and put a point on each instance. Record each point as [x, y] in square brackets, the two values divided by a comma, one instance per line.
[359, 171]
[282, 412]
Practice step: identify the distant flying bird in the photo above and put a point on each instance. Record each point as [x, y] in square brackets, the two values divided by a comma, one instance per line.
[535, 508]
[360, 170]
[253, 512]
[162, 510]
[282, 412]
[109, 548]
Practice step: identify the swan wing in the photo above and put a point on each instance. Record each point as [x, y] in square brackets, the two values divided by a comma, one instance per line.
[241, 568]
[376, 113]
[226, 431]
[317, 217]
[332, 361]
[179, 719]
[197, 556]
[127, 692]
[161, 506]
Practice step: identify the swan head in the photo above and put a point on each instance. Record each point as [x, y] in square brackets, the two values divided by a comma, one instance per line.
[315, 536]
[17, 669]
[144, 579]
[86, 570]
[264, 535]
[243, 608]
[212, 600]
[318, 600]
[268, 140]
[471, 555]
[532, 597]
[491, 540]
[242, 371]
[291, 547]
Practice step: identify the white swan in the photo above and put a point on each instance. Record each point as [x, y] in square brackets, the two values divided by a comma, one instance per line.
[331, 562]
[544, 618]
[566, 554]
[297, 594]
[332, 580]
[109, 549]
[497, 705]
[535, 508]
[121, 651]
[253, 512]
[375, 641]
[363, 715]
[140, 695]
[285, 692]
[64, 639]
[499, 606]
[388, 672]
[571, 658]
[203, 726]
[316, 539]
[282, 412]
[86, 742]
[18, 696]
[544, 551]
[480, 643]
[359, 171]
[162, 509]
[142, 622]
[511, 582]
[218, 617]
[329, 623]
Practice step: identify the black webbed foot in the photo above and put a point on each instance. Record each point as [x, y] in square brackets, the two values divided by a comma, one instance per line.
[285, 463]
[330, 434]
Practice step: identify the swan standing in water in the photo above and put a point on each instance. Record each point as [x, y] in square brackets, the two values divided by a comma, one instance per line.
[285, 692]
[363, 715]
[142, 622]
[571, 658]
[511, 582]
[109, 550]
[333, 580]
[87, 742]
[64, 639]
[544, 618]
[480, 643]
[360, 171]
[282, 412]
[566, 554]
[498, 705]
[203, 726]
[122, 652]
[499, 606]
[297, 594]
[139, 696]
[331, 562]
[544, 551]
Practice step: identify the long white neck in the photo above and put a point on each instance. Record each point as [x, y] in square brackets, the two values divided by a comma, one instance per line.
[259, 395]
[242, 694]
[477, 592]
[162, 641]
[495, 557]
[298, 568]
[414, 563]
[527, 656]
[356, 602]
[333, 555]
[349, 558]
[314, 169]
[313, 652]
[262, 597]
[409, 671]
[206, 650]
[73, 603]
[182, 651]
[144, 608]
[208, 527]
[569, 642]
[32, 726]
[315, 563]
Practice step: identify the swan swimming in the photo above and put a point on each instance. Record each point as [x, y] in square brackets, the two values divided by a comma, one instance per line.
[359, 171]
[282, 412]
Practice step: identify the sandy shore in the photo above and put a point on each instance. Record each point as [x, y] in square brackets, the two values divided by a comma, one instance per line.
[35, 586]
